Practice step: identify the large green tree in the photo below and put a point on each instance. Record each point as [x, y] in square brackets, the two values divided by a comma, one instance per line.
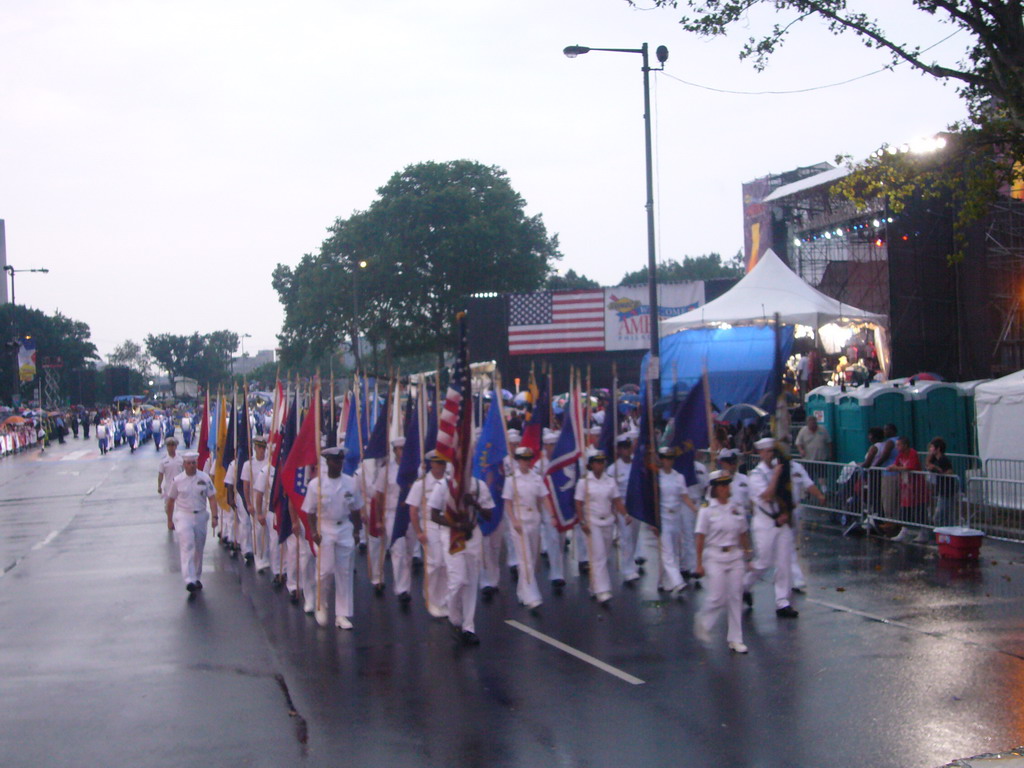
[131, 355]
[203, 357]
[706, 267]
[397, 273]
[985, 152]
[56, 337]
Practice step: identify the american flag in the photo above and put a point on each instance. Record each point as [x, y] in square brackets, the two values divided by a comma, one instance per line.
[453, 433]
[565, 321]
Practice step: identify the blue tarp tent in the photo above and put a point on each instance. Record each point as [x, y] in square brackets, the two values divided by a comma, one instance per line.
[739, 361]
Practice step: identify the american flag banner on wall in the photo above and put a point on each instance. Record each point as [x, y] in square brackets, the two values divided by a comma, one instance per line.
[562, 321]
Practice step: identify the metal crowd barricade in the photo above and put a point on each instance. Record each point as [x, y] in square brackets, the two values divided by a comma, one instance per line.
[996, 506]
[1004, 469]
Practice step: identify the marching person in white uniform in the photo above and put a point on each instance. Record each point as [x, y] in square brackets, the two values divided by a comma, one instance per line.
[339, 502]
[170, 467]
[267, 540]
[428, 533]
[552, 539]
[771, 526]
[402, 549]
[629, 529]
[526, 492]
[673, 498]
[723, 547]
[463, 567]
[598, 503]
[190, 494]
[508, 466]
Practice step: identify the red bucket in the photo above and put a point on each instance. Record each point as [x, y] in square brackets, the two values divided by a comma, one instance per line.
[957, 543]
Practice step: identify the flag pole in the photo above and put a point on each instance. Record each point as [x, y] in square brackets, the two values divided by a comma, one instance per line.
[319, 488]
[234, 435]
[527, 567]
[360, 470]
[652, 463]
[585, 519]
[247, 492]
[270, 454]
[421, 415]
[712, 453]
[381, 518]
[294, 518]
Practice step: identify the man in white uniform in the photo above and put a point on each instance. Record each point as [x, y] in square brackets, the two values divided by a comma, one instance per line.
[509, 468]
[186, 504]
[170, 467]
[771, 526]
[428, 532]
[802, 486]
[186, 429]
[597, 502]
[402, 549]
[332, 506]
[463, 567]
[267, 539]
[629, 530]
[672, 500]
[524, 494]
[552, 540]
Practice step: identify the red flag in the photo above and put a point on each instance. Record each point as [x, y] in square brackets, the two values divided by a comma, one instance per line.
[454, 433]
[204, 433]
[303, 456]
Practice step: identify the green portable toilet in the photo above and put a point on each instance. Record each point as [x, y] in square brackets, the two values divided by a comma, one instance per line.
[966, 390]
[937, 411]
[859, 409]
[821, 404]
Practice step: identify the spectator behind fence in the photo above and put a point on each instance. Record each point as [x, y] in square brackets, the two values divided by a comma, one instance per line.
[913, 488]
[873, 480]
[944, 481]
[813, 441]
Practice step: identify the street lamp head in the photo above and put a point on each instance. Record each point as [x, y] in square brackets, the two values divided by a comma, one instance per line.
[662, 54]
[573, 51]
[44, 269]
[362, 264]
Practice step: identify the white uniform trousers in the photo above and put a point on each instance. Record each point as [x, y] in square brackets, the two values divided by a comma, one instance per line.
[774, 550]
[264, 533]
[670, 549]
[190, 533]
[528, 547]
[376, 546]
[244, 526]
[601, 549]
[799, 580]
[724, 572]
[402, 552]
[337, 569]
[581, 545]
[687, 539]
[628, 535]
[463, 571]
[300, 575]
[553, 542]
[490, 559]
[436, 587]
[511, 548]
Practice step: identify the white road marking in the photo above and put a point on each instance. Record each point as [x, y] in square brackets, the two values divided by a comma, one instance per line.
[75, 455]
[50, 537]
[578, 654]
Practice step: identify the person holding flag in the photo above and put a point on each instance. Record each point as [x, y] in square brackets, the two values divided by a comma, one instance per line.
[598, 501]
[267, 540]
[527, 493]
[488, 460]
[673, 499]
[388, 491]
[629, 535]
[340, 503]
[428, 533]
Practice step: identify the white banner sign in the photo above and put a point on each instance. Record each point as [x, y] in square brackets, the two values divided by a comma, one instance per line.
[627, 313]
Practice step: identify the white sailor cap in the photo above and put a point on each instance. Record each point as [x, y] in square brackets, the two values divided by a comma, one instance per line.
[336, 452]
[398, 442]
[524, 452]
[190, 456]
[727, 454]
[718, 477]
[514, 436]
[765, 443]
[550, 437]
[624, 439]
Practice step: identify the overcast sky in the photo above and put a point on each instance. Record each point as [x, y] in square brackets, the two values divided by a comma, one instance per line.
[161, 158]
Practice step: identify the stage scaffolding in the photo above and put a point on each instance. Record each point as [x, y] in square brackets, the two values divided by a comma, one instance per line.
[1004, 252]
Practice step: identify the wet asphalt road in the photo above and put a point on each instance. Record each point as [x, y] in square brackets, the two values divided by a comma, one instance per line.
[896, 660]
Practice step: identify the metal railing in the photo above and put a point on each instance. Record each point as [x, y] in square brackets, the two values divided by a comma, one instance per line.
[1004, 469]
[996, 506]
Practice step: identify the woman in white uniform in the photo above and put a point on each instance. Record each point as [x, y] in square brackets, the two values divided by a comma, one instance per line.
[597, 502]
[723, 546]
[526, 491]
[672, 499]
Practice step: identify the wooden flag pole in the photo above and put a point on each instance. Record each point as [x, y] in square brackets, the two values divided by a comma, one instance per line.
[527, 567]
[295, 521]
[359, 389]
[247, 491]
[319, 490]
[712, 453]
[585, 519]
[421, 415]
[381, 518]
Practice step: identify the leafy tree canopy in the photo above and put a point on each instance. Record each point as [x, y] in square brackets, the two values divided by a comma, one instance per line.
[131, 355]
[203, 357]
[986, 153]
[397, 272]
[706, 267]
[570, 281]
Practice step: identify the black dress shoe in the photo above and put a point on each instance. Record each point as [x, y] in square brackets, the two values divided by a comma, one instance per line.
[250, 558]
[558, 584]
[191, 587]
[456, 631]
[199, 584]
[748, 600]
[488, 592]
[639, 560]
[514, 570]
[378, 589]
[294, 596]
[789, 612]
[584, 567]
[405, 597]
[470, 638]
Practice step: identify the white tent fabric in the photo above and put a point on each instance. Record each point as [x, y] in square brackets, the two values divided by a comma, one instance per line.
[768, 288]
[999, 405]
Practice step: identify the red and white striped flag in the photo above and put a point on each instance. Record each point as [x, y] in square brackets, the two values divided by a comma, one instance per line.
[454, 432]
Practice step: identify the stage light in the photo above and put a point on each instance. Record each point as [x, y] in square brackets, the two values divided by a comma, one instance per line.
[876, 223]
[879, 242]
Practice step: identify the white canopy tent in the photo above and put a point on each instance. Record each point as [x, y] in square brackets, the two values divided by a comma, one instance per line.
[772, 287]
[768, 288]
[999, 405]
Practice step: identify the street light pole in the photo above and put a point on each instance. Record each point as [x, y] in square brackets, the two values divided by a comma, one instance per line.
[14, 343]
[572, 51]
[11, 271]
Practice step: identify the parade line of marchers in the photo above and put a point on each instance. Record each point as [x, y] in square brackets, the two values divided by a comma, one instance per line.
[421, 483]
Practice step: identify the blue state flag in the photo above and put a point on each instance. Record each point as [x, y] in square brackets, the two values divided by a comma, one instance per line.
[640, 489]
[408, 468]
[690, 431]
[491, 450]
[563, 473]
